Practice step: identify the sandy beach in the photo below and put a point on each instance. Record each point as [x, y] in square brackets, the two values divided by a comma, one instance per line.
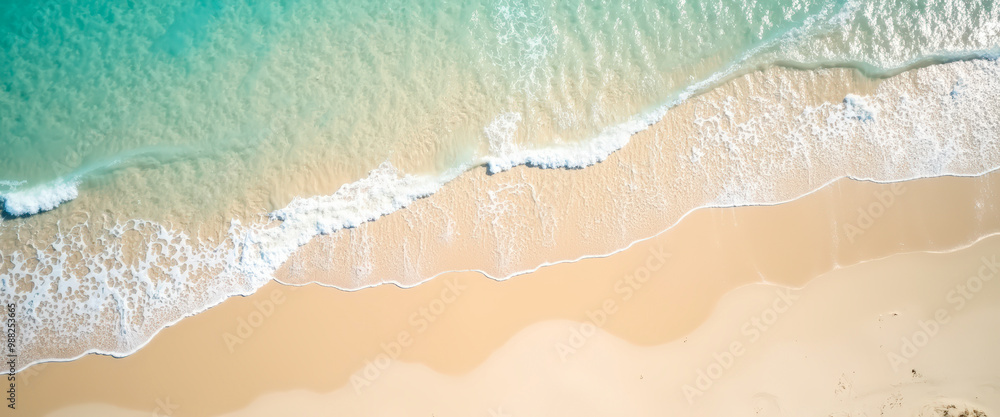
[654, 310]
[739, 144]
[500, 208]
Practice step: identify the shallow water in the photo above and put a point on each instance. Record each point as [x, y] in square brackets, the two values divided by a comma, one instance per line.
[210, 101]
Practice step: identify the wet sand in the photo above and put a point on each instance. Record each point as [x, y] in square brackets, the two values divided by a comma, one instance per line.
[462, 329]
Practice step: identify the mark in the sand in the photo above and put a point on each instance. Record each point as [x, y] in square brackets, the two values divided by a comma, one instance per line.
[894, 401]
[951, 410]
[844, 386]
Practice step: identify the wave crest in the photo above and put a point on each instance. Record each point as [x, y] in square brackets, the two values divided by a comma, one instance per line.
[39, 198]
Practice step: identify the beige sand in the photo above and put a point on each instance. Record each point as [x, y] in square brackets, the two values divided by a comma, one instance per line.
[892, 337]
[318, 339]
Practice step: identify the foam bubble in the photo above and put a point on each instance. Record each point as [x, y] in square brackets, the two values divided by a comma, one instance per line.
[857, 108]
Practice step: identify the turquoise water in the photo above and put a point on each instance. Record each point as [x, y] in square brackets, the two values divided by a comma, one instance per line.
[204, 102]
[125, 126]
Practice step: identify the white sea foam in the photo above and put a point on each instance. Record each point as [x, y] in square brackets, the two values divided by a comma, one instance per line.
[383, 191]
[160, 290]
[857, 108]
[955, 95]
[504, 155]
[39, 198]
[575, 155]
[11, 185]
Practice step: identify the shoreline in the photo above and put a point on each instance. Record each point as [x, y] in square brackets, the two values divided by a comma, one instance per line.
[805, 347]
[648, 224]
[486, 275]
[409, 384]
[547, 283]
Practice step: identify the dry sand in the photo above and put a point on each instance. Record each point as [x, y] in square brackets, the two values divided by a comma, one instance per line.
[892, 337]
[496, 344]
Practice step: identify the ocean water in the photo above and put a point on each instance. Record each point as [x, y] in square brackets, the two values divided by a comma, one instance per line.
[127, 129]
